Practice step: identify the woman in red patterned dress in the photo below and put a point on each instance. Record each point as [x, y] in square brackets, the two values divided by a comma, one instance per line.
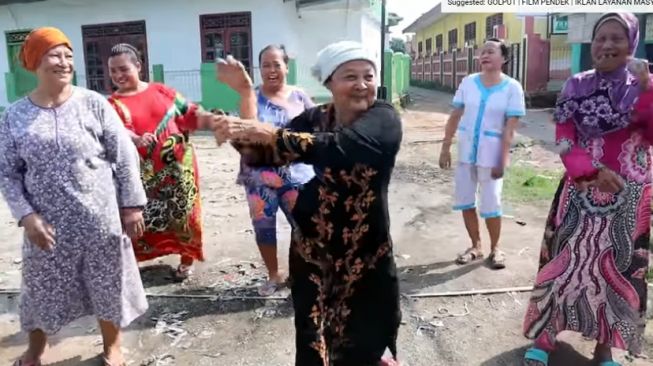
[160, 120]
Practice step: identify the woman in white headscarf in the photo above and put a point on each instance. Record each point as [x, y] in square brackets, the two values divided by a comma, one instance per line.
[342, 272]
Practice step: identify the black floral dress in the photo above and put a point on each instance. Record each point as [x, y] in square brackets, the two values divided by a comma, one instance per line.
[342, 271]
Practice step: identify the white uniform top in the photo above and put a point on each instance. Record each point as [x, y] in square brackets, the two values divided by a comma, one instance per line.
[485, 113]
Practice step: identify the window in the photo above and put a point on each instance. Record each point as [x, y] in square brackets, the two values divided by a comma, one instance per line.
[98, 40]
[429, 46]
[419, 48]
[453, 39]
[227, 34]
[470, 33]
[490, 22]
[438, 43]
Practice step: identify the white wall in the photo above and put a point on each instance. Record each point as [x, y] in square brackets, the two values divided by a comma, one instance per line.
[173, 31]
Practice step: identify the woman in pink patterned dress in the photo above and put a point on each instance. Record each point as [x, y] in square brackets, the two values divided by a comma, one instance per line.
[595, 250]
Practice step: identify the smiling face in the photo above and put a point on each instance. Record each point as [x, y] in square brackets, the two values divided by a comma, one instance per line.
[124, 72]
[491, 58]
[353, 86]
[56, 67]
[274, 68]
[610, 46]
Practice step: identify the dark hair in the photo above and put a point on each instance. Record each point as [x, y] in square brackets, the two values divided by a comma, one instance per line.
[502, 45]
[279, 47]
[126, 49]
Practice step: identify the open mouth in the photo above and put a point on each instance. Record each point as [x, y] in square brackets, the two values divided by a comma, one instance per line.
[607, 56]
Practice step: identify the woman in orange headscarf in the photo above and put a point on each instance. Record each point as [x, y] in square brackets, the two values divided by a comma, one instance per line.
[59, 146]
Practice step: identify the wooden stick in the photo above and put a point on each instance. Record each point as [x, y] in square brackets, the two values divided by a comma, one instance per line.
[413, 296]
[11, 292]
[470, 292]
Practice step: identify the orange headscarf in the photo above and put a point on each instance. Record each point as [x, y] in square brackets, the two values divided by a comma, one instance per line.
[38, 42]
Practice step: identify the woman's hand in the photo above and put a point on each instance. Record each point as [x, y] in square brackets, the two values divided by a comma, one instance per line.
[205, 120]
[497, 172]
[639, 69]
[145, 140]
[132, 222]
[233, 73]
[606, 181]
[243, 131]
[445, 157]
[609, 181]
[38, 231]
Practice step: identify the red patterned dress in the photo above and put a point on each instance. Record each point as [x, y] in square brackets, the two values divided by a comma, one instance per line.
[169, 172]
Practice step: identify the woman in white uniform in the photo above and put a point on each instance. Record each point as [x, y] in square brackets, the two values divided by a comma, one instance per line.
[487, 108]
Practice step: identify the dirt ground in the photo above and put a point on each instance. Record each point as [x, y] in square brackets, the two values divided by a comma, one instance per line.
[202, 322]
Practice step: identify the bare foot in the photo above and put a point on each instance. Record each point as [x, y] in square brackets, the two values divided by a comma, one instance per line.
[385, 361]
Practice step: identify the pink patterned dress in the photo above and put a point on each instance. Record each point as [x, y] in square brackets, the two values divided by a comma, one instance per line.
[594, 255]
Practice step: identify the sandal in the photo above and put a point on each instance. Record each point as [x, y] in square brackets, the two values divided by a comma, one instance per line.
[470, 255]
[536, 357]
[21, 362]
[183, 272]
[497, 259]
[609, 363]
[268, 288]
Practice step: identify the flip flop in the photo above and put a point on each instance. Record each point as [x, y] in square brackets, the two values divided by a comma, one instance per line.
[183, 272]
[536, 357]
[497, 259]
[268, 288]
[21, 362]
[470, 255]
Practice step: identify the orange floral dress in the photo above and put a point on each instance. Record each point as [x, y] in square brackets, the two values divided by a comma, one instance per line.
[169, 172]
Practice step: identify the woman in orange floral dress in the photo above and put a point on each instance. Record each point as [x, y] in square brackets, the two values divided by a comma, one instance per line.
[160, 121]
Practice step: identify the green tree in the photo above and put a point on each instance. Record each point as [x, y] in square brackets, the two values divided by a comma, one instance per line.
[398, 45]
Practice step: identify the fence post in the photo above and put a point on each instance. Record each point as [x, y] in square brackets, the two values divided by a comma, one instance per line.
[157, 73]
[292, 72]
[441, 81]
[454, 58]
[405, 69]
[470, 61]
[387, 77]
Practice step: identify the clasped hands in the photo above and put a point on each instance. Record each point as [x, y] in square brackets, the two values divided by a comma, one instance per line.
[243, 131]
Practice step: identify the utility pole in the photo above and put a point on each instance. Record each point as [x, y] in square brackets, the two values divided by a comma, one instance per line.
[382, 92]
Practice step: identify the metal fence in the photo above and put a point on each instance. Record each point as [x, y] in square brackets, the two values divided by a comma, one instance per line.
[187, 82]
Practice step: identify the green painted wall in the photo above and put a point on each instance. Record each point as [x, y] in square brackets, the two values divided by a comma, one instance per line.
[214, 93]
[576, 50]
[218, 95]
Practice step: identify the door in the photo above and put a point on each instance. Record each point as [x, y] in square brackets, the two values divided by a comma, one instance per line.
[25, 81]
[98, 40]
[227, 34]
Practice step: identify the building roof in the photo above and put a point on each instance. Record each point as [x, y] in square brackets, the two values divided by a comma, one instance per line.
[425, 20]
[9, 2]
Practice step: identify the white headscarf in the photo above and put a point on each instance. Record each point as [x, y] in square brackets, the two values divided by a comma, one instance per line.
[336, 54]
